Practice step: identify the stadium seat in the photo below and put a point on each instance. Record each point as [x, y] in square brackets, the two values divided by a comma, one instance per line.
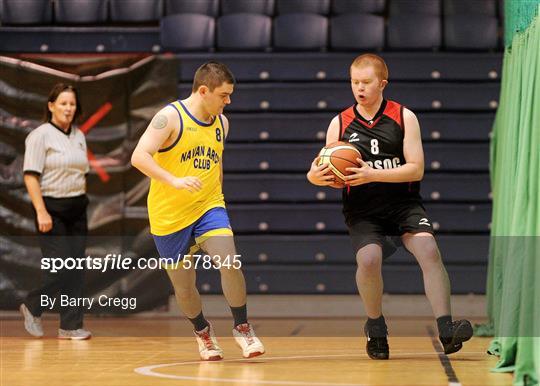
[422, 32]
[26, 12]
[356, 32]
[470, 7]
[264, 7]
[418, 7]
[470, 32]
[136, 11]
[321, 7]
[353, 6]
[80, 11]
[205, 7]
[300, 31]
[187, 32]
[244, 31]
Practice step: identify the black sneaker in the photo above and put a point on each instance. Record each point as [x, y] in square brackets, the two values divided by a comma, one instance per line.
[377, 343]
[458, 332]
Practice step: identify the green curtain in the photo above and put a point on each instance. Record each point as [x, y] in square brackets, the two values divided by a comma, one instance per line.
[513, 287]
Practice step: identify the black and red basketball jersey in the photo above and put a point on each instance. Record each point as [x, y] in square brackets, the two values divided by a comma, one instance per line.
[380, 141]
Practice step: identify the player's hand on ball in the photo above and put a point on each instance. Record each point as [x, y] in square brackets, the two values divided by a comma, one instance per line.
[320, 174]
[361, 175]
[192, 184]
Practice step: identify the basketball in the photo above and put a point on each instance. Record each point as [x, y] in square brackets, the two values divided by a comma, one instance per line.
[340, 156]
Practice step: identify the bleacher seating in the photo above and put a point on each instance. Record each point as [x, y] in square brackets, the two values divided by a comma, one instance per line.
[321, 7]
[470, 7]
[414, 32]
[262, 157]
[417, 7]
[365, 6]
[25, 12]
[331, 96]
[300, 31]
[187, 31]
[315, 25]
[263, 7]
[80, 11]
[241, 32]
[356, 32]
[470, 32]
[136, 11]
[204, 7]
[291, 233]
[291, 188]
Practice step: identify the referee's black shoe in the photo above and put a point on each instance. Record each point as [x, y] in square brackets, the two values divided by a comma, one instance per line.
[377, 343]
[455, 334]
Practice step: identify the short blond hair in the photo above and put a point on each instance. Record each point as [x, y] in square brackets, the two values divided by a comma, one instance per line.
[372, 60]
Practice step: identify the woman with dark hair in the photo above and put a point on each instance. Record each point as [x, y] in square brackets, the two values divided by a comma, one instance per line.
[55, 168]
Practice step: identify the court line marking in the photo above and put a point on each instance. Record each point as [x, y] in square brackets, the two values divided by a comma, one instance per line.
[443, 359]
[149, 370]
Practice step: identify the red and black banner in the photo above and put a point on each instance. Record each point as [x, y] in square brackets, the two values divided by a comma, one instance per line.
[119, 95]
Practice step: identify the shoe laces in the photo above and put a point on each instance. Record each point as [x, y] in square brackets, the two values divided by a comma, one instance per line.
[246, 331]
[207, 339]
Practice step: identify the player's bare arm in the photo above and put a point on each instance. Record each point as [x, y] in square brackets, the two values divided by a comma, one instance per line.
[413, 170]
[160, 133]
[320, 175]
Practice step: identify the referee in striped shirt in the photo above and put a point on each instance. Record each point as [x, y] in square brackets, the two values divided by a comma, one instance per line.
[55, 168]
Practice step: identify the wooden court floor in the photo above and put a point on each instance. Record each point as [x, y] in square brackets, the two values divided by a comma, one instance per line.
[310, 352]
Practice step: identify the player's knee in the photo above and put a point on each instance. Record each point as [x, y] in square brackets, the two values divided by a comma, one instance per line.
[185, 292]
[430, 253]
[368, 263]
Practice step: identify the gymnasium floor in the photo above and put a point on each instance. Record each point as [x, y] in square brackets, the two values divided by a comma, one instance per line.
[302, 351]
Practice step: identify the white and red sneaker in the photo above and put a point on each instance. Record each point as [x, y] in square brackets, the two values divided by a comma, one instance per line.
[245, 338]
[78, 334]
[209, 349]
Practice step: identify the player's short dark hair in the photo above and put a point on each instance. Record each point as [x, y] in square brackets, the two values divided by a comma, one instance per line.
[58, 89]
[212, 74]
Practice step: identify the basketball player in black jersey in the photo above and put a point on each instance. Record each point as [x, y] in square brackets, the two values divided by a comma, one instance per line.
[383, 200]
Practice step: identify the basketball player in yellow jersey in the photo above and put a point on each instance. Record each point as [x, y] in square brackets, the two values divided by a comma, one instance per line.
[181, 151]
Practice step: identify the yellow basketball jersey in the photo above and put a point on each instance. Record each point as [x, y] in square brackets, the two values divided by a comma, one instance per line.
[195, 153]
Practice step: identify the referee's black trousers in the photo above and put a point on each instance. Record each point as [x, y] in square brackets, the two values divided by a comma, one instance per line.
[66, 239]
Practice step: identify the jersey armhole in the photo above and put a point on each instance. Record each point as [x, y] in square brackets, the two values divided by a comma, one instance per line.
[223, 128]
[340, 128]
[179, 132]
[401, 118]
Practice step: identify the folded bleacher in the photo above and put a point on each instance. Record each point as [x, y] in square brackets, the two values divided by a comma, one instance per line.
[291, 62]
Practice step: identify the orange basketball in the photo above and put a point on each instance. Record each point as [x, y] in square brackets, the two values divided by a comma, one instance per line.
[340, 156]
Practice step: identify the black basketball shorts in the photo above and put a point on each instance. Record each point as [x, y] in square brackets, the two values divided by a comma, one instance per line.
[383, 224]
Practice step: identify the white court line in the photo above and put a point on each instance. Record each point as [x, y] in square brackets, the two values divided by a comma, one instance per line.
[149, 370]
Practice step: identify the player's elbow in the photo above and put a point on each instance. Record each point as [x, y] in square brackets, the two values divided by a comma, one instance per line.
[136, 159]
[418, 173]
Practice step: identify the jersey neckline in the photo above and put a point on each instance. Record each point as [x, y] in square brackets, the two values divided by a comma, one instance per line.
[195, 119]
[375, 117]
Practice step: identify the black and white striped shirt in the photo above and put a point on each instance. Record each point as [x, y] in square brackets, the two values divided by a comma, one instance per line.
[59, 158]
